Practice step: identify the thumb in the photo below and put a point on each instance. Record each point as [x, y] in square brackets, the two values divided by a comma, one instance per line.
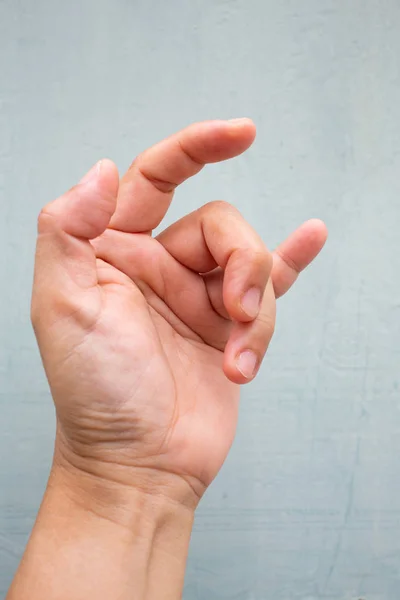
[65, 265]
[86, 209]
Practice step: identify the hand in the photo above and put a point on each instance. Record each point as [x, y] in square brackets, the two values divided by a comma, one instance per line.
[144, 340]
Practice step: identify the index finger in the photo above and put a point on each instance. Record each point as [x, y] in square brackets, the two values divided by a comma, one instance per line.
[147, 188]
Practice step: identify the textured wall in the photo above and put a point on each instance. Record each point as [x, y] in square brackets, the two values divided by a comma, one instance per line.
[307, 506]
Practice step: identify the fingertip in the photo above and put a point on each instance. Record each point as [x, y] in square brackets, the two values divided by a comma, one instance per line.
[243, 308]
[244, 124]
[243, 130]
[86, 209]
[296, 253]
[241, 369]
[244, 353]
[103, 177]
[304, 244]
[249, 305]
[108, 176]
[317, 231]
[246, 277]
[214, 141]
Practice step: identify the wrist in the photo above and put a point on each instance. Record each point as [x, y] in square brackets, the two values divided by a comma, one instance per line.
[110, 470]
[98, 538]
[137, 503]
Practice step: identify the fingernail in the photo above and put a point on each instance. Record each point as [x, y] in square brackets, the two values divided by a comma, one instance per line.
[251, 301]
[247, 363]
[92, 174]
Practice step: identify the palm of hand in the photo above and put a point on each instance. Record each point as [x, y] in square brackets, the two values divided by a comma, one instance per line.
[157, 395]
[172, 386]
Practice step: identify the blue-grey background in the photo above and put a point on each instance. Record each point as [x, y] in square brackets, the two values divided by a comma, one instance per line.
[307, 506]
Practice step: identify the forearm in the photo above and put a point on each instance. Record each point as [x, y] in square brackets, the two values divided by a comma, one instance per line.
[97, 540]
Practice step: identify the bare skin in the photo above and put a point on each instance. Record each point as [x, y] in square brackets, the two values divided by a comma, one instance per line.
[145, 342]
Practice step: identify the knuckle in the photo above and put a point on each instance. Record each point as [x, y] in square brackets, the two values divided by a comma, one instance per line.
[45, 219]
[257, 260]
[218, 206]
[262, 259]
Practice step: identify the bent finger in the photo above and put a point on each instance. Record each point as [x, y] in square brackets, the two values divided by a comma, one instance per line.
[217, 235]
[249, 342]
[148, 187]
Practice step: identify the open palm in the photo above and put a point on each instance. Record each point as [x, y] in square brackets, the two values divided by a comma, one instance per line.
[145, 339]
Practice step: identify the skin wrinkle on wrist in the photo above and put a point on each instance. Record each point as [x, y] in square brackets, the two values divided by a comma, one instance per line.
[119, 502]
[173, 487]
